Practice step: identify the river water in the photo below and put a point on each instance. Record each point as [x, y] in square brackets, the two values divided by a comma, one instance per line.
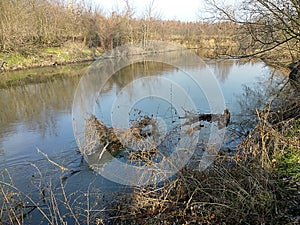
[36, 133]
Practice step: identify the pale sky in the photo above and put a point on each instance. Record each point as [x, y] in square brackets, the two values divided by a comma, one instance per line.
[185, 10]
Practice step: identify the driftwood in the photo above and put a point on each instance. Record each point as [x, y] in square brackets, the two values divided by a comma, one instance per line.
[138, 127]
[99, 137]
[97, 132]
[222, 119]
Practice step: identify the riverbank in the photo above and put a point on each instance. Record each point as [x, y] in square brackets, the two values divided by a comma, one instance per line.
[22, 67]
[77, 51]
[259, 184]
[68, 53]
[32, 76]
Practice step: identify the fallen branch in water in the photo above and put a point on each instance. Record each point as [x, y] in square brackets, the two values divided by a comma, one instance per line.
[222, 119]
[139, 140]
[51, 161]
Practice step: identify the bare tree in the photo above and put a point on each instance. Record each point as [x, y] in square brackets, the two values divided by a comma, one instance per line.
[265, 27]
[149, 18]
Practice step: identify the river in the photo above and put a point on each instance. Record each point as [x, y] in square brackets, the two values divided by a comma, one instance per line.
[37, 139]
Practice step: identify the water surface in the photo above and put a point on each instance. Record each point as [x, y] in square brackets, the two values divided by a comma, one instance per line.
[39, 116]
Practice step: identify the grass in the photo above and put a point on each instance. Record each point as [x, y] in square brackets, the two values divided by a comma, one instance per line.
[295, 129]
[57, 51]
[242, 189]
[287, 162]
[18, 60]
[40, 57]
[228, 195]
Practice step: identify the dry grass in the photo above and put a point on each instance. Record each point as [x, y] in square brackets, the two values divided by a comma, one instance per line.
[258, 185]
[242, 189]
[48, 201]
[239, 194]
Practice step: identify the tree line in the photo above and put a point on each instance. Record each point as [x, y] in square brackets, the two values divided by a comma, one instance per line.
[265, 29]
[40, 23]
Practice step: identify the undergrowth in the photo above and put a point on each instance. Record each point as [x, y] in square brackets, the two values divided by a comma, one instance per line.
[258, 185]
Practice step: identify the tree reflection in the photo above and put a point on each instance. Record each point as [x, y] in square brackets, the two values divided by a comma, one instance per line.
[221, 69]
[36, 105]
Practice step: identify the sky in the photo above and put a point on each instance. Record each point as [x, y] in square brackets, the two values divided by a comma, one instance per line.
[184, 10]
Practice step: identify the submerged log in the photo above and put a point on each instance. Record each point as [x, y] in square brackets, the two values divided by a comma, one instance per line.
[222, 119]
[144, 127]
[99, 138]
[98, 133]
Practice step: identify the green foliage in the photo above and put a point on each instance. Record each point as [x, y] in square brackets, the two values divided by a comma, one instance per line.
[59, 52]
[289, 163]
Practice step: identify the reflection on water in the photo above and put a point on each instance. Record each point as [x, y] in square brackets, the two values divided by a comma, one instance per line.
[34, 104]
[39, 115]
[222, 69]
[36, 115]
[160, 82]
